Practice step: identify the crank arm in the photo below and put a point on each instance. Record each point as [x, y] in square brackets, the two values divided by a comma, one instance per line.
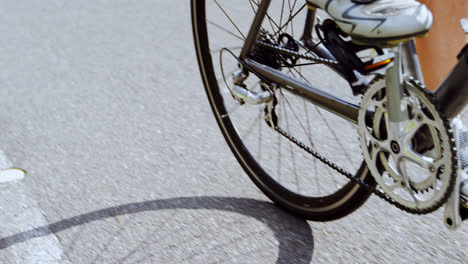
[452, 217]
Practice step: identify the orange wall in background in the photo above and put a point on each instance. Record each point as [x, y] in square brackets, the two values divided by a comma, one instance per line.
[446, 38]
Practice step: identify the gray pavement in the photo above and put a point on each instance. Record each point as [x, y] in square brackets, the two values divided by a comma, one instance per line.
[102, 104]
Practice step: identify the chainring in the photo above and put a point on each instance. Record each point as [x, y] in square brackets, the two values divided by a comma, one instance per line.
[418, 169]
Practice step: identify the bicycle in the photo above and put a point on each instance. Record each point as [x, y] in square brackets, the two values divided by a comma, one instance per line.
[261, 70]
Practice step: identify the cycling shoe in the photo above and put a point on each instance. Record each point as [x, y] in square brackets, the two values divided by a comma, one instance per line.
[378, 20]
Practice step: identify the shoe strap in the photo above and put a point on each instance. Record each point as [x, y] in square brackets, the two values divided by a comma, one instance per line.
[363, 2]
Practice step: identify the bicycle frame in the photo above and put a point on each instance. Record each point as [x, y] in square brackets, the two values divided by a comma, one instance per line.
[452, 93]
[315, 95]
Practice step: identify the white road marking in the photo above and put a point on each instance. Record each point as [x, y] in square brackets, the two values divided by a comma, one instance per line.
[21, 212]
[7, 172]
[10, 175]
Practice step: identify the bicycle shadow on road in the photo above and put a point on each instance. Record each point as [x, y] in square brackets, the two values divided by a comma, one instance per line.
[293, 234]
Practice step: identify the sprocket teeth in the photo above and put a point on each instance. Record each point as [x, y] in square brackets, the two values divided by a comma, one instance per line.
[439, 195]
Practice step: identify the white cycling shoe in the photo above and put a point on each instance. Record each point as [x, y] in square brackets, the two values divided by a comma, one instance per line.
[378, 20]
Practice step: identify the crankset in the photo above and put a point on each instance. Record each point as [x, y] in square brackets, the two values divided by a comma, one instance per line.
[429, 149]
[417, 165]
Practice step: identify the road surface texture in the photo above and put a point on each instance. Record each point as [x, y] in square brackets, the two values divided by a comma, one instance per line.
[102, 104]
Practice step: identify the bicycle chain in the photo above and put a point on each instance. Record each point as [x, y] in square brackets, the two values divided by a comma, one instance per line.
[297, 54]
[342, 171]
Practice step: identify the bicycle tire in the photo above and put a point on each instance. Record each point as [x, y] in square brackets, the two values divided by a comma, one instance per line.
[322, 207]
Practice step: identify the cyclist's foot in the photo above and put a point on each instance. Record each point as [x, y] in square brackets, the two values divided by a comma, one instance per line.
[379, 19]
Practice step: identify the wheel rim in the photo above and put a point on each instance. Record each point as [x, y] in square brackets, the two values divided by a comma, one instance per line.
[300, 176]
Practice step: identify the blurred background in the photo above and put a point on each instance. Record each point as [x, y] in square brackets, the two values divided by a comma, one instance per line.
[101, 102]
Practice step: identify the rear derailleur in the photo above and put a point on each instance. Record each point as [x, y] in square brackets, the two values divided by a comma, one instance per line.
[267, 96]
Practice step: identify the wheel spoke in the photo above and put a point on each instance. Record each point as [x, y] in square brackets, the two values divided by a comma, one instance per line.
[229, 48]
[226, 30]
[250, 128]
[279, 157]
[228, 17]
[270, 20]
[293, 159]
[260, 127]
[332, 131]
[297, 118]
[289, 20]
[281, 15]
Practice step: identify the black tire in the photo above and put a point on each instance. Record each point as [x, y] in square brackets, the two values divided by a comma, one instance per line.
[293, 195]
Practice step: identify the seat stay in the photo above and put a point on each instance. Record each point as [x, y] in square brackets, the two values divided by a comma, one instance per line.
[255, 29]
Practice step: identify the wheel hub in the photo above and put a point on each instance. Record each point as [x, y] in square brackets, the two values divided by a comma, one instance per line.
[395, 147]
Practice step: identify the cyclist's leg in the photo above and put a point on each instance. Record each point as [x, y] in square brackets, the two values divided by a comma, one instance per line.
[438, 52]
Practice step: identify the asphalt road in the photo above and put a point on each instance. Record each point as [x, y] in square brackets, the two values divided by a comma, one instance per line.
[102, 104]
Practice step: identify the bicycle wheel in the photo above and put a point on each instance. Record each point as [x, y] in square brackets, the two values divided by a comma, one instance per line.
[288, 175]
